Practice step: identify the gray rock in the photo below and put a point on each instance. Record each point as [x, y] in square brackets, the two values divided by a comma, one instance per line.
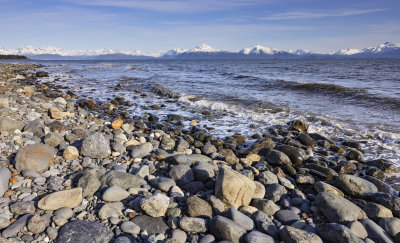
[178, 236]
[198, 207]
[275, 192]
[358, 229]
[53, 139]
[16, 227]
[155, 205]
[182, 174]
[8, 124]
[121, 179]
[306, 140]
[52, 233]
[390, 225]
[203, 171]
[294, 235]
[382, 186]
[199, 158]
[296, 155]
[354, 185]
[30, 173]
[333, 232]
[338, 209]
[246, 222]
[111, 210]
[208, 148]
[89, 183]
[258, 237]
[354, 154]
[122, 239]
[276, 157]
[265, 205]
[207, 239]
[114, 194]
[376, 211]
[143, 171]
[117, 147]
[181, 159]
[5, 176]
[375, 232]
[267, 178]
[151, 225]
[225, 229]
[130, 228]
[262, 147]
[139, 153]
[193, 225]
[95, 146]
[37, 224]
[163, 183]
[287, 217]
[35, 127]
[84, 231]
[66, 213]
[167, 143]
[4, 222]
[23, 207]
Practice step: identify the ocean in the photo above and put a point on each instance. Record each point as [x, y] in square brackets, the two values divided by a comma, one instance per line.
[341, 99]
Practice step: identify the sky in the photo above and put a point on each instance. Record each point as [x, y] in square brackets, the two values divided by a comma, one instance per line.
[154, 25]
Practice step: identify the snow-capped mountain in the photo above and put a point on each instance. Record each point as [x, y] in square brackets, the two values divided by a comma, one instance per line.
[203, 51]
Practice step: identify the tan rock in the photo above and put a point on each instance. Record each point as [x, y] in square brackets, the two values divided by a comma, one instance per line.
[253, 157]
[325, 187]
[37, 157]
[233, 188]
[28, 90]
[4, 102]
[117, 124]
[68, 198]
[55, 113]
[71, 153]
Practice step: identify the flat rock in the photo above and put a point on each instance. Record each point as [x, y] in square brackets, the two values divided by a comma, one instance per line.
[354, 185]
[193, 225]
[67, 198]
[184, 159]
[155, 205]
[113, 209]
[246, 222]
[37, 157]
[150, 224]
[163, 183]
[8, 124]
[5, 176]
[21, 208]
[95, 146]
[89, 183]
[293, 235]
[333, 232]
[225, 229]
[121, 179]
[233, 188]
[338, 209]
[16, 227]
[84, 231]
[115, 194]
[287, 217]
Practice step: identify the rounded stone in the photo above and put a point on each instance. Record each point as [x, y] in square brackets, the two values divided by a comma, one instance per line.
[71, 153]
[67, 198]
[130, 228]
[115, 194]
[37, 157]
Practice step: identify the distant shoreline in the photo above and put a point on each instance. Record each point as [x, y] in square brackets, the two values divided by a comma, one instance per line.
[12, 57]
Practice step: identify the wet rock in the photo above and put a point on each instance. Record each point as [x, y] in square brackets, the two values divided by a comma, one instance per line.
[84, 231]
[156, 205]
[294, 235]
[8, 124]
[42, 74]
[306, 140]
[37, 157]
[354, 154]
[67, 198]
[193, 225]
[381, 186]
[233, 188]
[89, 183]
[198, 207]
[225, 229]
[5, 176]
[337, 233]
[338, 209]
[121, 179]
[298, 125]
[113, 209]
[71, 153]
[95, 146]
[246, 222]
[276, 157]
[114, 194]
[375, 232]
[151, 225]
[354, 185]
[296, 155]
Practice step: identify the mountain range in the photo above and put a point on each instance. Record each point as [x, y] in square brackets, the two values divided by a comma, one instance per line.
[203, 51]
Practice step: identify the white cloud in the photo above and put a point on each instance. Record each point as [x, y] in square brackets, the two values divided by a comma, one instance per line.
[312, 15]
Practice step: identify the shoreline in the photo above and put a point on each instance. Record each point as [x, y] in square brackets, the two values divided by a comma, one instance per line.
[184, 178]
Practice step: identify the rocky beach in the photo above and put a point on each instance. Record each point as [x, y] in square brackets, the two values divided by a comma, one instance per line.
[73, 169]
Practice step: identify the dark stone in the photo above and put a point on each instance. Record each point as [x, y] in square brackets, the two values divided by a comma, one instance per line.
[84, 231]
[151, 225]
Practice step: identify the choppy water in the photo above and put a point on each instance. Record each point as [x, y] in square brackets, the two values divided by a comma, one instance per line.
[358, 99]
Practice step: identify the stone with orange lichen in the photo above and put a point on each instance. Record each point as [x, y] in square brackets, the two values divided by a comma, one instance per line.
[13, 180]
[117, 124]
[37, 157]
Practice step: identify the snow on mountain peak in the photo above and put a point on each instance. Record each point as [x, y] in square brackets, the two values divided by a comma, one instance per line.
[203, 48]
[258, 49]
[347, 52]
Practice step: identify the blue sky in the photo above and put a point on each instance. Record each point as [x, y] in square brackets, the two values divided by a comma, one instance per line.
[152, 25]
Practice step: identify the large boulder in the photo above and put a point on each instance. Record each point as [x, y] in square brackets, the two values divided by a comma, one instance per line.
[233, 188]
[95, 146]
[37, 157]
[84, 231]
[338, 209]
[354, 185]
